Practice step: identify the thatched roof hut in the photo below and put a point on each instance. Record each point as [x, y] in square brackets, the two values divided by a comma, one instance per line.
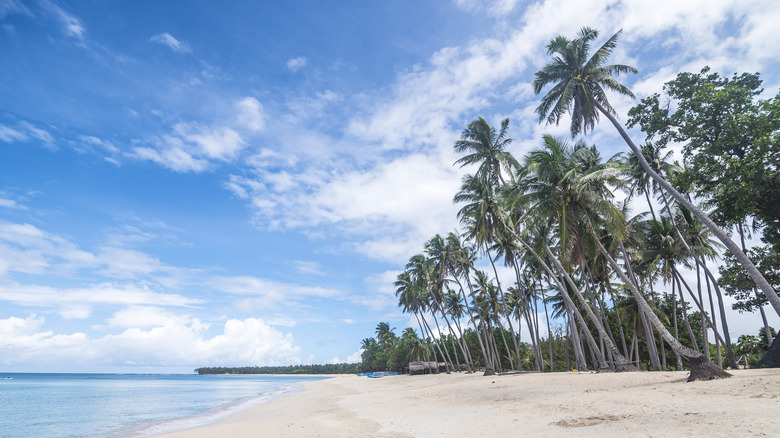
[422, 368]
[426, 367]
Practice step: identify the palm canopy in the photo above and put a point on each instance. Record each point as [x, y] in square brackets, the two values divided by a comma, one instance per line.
[578, 80]
[569, 183]
[484, 146]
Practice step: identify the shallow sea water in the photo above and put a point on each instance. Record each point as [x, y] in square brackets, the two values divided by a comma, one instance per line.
[127, 405]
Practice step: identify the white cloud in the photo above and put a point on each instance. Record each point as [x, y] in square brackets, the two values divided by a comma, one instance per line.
[28, 249]
[497, 8]
[308, 267]
[172, 43]
[377, 201]
[8, 7]
[267, 294]
[12, 204]
[162, 339]
[71, 25]
[10, 135]
[172, 156]
[250, 114]
[296, 64]
[145, 317]
[25, 132]
[92, 141]
[214, 142]
[352, 358]
[127, 263]
[194, 147]
[80, 300]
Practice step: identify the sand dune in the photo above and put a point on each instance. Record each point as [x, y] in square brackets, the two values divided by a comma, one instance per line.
[644, 404]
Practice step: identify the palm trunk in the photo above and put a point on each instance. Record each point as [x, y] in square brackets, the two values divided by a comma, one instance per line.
[562, 288]
[663, 352]
[704, 321]
[446, 354]
[433, 338]
[503, 304]
[767, 332]
[471, 314]
[676, 330]
[549, 330]
[701, 367]
[649, 338]
[574, 338]
[619, 322]
[676, 275]
[716, 230]
[623, 363]
[712, 310]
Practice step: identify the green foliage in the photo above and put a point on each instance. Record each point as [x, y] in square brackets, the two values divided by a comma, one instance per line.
[738, 284]
[753, 347]
[338, 368]
[731, 143]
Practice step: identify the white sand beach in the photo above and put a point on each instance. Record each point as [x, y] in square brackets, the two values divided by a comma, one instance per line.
[642, 404]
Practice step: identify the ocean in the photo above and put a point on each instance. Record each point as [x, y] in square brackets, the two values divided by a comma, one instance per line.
[127, 405]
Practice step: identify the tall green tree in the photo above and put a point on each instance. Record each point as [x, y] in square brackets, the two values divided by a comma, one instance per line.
[482, 145]
[730, 138]
[578, 88]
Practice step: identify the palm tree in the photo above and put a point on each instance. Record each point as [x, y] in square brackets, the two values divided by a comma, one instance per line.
[664, 251]
[579, 83]
[569, 184]
[640, 182]
[385, 335]
[486, 147]
[480, 216]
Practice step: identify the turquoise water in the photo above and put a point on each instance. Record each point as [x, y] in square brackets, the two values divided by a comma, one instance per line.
[126, 405]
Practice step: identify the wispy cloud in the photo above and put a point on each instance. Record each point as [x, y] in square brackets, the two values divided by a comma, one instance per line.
[8, 7]
[70, 24]
[25, 132]
[296, 64]
[172, 43]
[194, 147]
[78, 302]
[267, 294]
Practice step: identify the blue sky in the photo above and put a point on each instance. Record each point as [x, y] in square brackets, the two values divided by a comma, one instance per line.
[188, 183]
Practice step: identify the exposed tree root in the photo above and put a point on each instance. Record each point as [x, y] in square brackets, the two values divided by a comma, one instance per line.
[625, 368]
[703, 369]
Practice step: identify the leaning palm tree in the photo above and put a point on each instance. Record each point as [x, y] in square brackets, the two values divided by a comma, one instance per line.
[639, 181]
[568, 183]
[579, 83]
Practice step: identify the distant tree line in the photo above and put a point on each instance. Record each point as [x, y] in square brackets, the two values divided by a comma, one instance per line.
[335, 368]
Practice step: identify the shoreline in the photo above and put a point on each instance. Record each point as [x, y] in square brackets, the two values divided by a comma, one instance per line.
[540, 404]
[204, 419]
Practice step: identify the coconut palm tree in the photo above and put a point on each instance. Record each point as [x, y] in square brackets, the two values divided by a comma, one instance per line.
[639, 181]
[579, 83]
[568, 183]
[486, 147]
[480, 216]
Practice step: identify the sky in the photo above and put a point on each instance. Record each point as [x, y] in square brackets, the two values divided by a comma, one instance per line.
[197, 183]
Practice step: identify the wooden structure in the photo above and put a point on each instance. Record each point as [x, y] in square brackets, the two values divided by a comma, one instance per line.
[426, 367]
